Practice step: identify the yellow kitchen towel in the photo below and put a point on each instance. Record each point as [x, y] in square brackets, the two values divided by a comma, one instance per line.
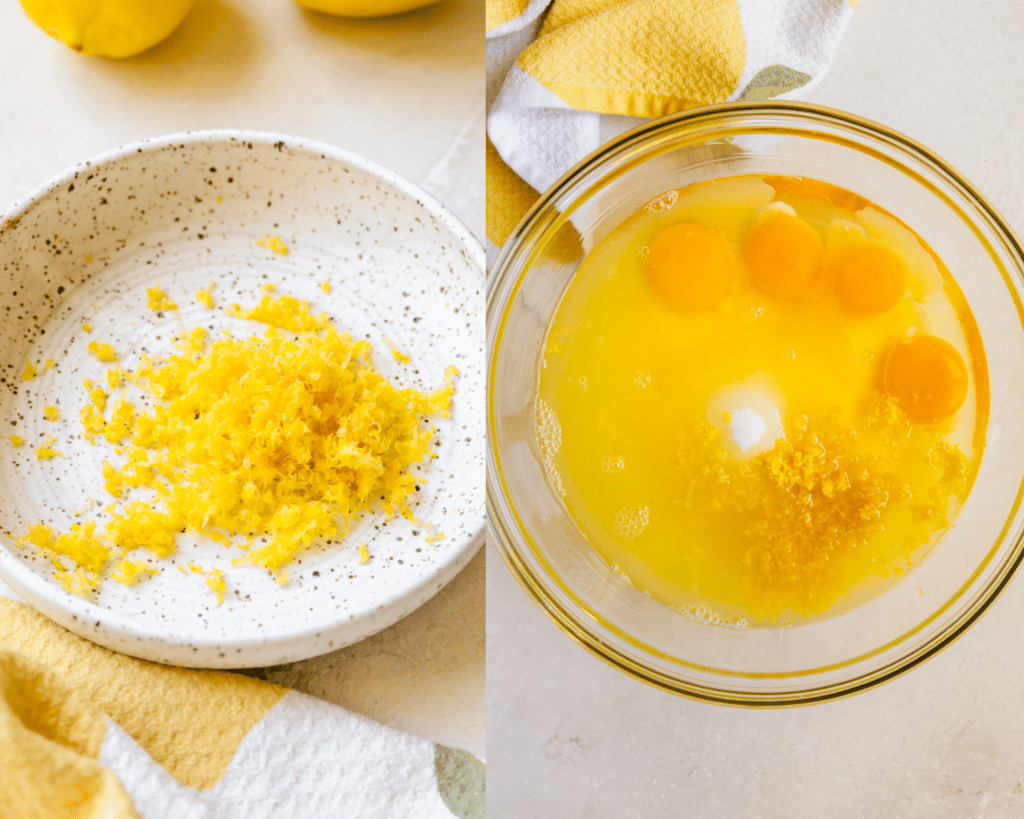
[592, 67]
[86, 732]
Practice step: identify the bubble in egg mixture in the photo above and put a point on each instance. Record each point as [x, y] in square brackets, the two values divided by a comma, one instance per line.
[630, 522]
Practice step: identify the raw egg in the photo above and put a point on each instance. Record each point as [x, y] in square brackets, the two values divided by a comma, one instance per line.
[783, 255]
[691, 266]
[927, 376]
[869, 279]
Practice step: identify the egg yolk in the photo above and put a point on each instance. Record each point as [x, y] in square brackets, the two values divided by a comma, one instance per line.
[869, 279]
[928, 378]
[691, 267]
[783, 255]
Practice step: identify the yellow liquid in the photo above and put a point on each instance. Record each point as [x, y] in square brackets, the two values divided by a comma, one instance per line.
[638, 403]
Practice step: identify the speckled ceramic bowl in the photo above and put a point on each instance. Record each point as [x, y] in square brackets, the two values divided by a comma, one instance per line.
[182, 211]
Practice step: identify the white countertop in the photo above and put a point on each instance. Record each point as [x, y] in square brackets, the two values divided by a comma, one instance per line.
[406, 92]
[571, 737]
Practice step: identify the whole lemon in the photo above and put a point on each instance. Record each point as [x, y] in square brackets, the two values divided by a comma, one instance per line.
[363, 8]
[108, 28]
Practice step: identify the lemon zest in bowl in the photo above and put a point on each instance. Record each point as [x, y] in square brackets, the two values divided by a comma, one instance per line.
[81, 544]
[158, 300]
[77, 582]
[273, 244]
[120, 425]
[46, 452]
[205, 296]
[285, 436]
[128, 571]
[103, 351]
[284, 312]
[397, 354]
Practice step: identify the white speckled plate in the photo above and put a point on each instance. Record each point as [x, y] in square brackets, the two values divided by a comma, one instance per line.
[182, 211]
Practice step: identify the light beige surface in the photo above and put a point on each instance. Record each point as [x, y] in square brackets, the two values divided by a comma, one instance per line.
[407, 92]
[571, 737]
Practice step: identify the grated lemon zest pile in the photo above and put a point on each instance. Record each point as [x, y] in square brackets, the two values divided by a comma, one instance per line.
[128, 571]
[120, 422]
[17, 440]
[287, 436]
[158, 300]
[30, 371]
[51, 413]
[273, 244]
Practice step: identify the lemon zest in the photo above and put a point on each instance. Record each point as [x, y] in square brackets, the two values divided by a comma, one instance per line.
[205, 296]
[273, 244]
[103, 351]
[158, 300]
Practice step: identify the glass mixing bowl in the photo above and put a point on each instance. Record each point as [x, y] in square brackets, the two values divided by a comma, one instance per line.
[762, 665]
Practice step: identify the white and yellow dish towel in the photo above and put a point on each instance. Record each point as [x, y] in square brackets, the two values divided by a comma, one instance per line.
[574, 78]
[86, 733]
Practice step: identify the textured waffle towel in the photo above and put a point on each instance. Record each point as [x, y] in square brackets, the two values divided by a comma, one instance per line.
[593, 65]
[87, 733]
